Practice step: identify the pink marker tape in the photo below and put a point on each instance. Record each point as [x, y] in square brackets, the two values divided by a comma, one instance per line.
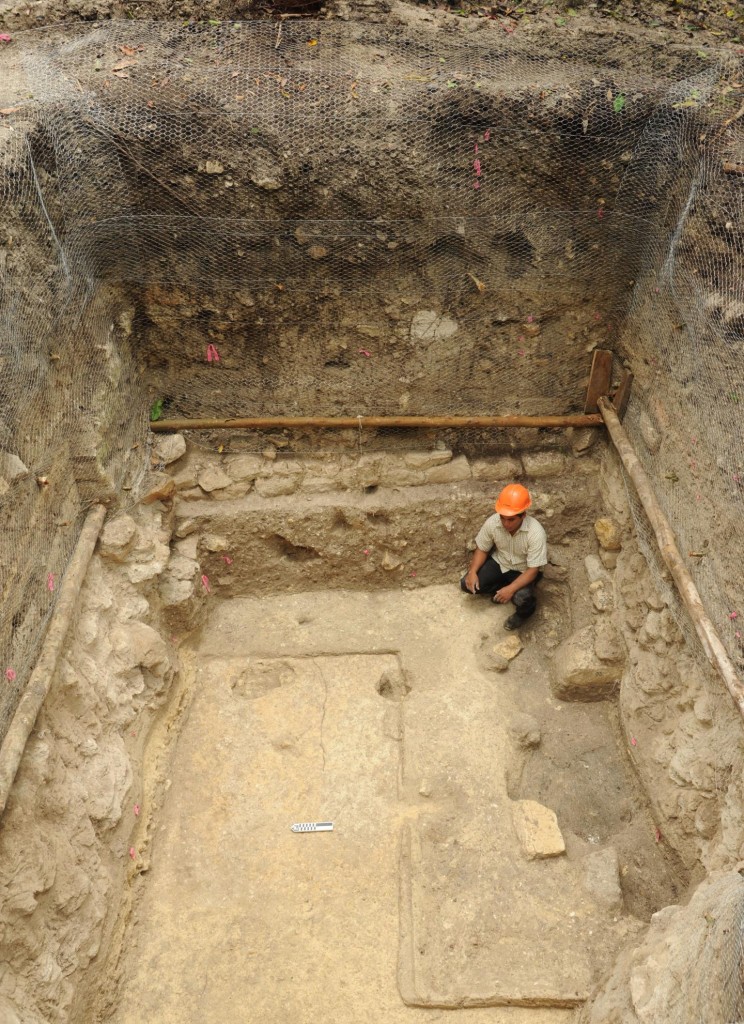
[227, 560]
[132, 853]
[486, 134]
[136, 810]
[50, 581]
[205, 583]
[213, 355]
[10, 674]
[477, 167]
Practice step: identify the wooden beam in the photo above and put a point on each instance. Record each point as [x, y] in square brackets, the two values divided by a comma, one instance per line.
[712, 644]
[375, 422]
[600, 376]
[622, 395]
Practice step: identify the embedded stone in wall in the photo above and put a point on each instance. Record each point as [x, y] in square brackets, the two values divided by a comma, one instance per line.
[213, 478]
[594, 568]
[458, 469]
[169, 448]
[544, 464]
[608, 644]
[578, 671]
[117, 538]
[500, 469]
[427, 460]
[537, 830]
[246, 467]
[601, 594]
[651, 436]
[428, 325]
[608, 534]
[273, 486]
[159, 488]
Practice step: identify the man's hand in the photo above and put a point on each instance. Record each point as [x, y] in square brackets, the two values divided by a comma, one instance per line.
[471, 582]
[504, 595]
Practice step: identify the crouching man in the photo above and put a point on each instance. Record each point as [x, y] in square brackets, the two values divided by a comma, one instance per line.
[511, 551]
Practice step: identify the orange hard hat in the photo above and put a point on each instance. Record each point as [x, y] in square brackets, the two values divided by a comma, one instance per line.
[513, 500]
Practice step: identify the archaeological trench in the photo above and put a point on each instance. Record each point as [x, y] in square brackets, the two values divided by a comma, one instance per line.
[356, 233]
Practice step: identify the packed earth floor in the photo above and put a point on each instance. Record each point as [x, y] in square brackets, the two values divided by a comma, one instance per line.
[443, 882]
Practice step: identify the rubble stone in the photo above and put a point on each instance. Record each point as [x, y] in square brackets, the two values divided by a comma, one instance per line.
[578, 672]
[537, 830]
[118, 538]
[540, 464]
[213, 478]
[169, 448]
[452, 472]
[608, 534]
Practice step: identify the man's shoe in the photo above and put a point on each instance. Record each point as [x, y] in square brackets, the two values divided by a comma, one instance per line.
[513, 622]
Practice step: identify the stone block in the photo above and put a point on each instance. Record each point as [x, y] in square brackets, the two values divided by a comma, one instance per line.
[117, 538]
[213, 542]
[427, 460]
[602, 879]
[608, 534]
[578, 673]
[524, 730]
[540, 464]
[601, 594]
[394, 473]
[608, 644]
[497, 469]
[158, 488]
[186, 479]
[509, 647]
[274, 486]
[582, 439]
[537, 830]
[246, 467]
[169, 448]
[213, 478]
[452, 472]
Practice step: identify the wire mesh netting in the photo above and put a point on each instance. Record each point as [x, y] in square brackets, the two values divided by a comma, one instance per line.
[351, 219]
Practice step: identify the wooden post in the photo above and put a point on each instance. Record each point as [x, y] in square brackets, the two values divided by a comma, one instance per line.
[712, 644]
[621, 396]
[600, 376]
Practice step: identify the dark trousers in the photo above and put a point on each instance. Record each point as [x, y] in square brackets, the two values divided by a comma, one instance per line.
[491, 578]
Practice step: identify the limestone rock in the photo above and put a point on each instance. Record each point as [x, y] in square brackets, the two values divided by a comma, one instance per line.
[544, 464]
[578, 673]
[458, 469]
[582, 439]
[428, 325]
[427, 460]
[117, 538]
[524, 730]
[608, 644]
[246, 467]
[213, 542]
[391, 561]
[169, 448]
[137, 645]
[11, 467]
[504, 469]
[186, 479]
[537, 830]
[509, 648]
[106, 779]
[213, 478]
[185, 527]
[160, 487]
[181, 567]
[494, 661]
[601, 594]
[594, 568]
[608, 534]
[602, 879]
[608, 558]
[273, 486]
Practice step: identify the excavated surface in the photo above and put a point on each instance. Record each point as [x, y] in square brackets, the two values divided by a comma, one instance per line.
[374, 711]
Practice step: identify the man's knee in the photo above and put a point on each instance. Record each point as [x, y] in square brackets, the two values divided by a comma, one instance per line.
[525, 600]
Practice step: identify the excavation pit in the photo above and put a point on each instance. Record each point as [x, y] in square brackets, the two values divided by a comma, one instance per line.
[346, 220]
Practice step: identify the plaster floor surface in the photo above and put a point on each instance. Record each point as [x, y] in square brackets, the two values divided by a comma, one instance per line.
[369, 710]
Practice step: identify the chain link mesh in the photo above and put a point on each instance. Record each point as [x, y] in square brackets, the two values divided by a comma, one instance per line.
[353, 219]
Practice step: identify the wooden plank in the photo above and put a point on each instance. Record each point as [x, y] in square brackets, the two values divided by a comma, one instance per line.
[622, 395]
[599, 378]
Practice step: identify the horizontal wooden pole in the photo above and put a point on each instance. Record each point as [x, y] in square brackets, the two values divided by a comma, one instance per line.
[373, 422]
[665, 538]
